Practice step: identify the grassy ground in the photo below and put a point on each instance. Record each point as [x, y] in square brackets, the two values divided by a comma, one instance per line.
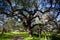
[11, 35]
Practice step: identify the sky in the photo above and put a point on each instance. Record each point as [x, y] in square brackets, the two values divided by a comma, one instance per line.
[58, 18]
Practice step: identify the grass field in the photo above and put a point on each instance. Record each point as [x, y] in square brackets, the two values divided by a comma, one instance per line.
[24, 35]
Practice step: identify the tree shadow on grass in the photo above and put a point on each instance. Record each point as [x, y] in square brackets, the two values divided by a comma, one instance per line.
[4, 37]
[55, 37]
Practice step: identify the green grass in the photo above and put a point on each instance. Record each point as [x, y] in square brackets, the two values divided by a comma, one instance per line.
[7, 36]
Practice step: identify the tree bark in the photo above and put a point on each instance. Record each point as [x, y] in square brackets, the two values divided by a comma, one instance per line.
[3, 31]
[29, 31]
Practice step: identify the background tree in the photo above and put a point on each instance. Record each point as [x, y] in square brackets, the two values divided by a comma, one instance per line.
[26, 10]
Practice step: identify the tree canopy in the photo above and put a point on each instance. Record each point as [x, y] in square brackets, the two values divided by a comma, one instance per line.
[31, 12]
